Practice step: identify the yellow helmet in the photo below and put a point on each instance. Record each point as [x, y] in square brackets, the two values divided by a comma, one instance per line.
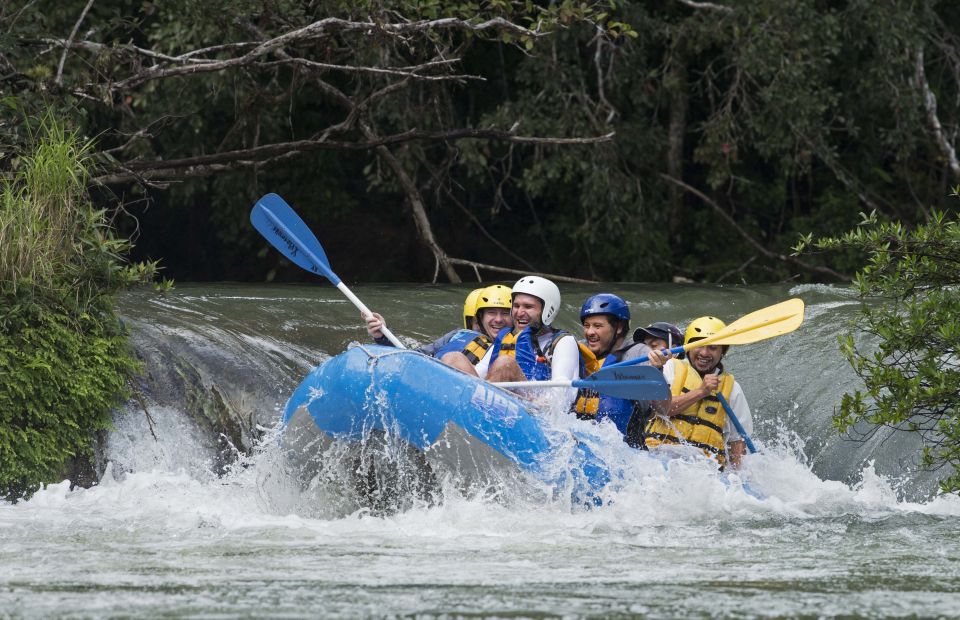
[495, 296]
[701, 328]
[470, 307]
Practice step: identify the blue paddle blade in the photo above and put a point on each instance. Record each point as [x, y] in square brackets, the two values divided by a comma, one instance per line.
[629, 382]
[282, 227]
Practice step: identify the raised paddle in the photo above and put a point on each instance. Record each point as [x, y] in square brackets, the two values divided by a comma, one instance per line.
[282, 227]
[639, 383]
[769, 322]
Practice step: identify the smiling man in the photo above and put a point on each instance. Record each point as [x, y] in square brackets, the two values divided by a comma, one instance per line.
[696, 417]
[532, 350]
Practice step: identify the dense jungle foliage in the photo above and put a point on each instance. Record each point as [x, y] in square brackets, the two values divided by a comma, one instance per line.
[403, 130]
[64, 359]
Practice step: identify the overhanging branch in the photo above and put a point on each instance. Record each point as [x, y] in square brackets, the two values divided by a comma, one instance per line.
[746, 236]
[202, 165]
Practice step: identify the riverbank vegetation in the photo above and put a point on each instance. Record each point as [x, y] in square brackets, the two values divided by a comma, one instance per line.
[615, 140]
[907, 344]
[64, 360]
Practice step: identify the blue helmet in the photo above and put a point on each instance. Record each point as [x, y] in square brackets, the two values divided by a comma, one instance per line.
[605, 303]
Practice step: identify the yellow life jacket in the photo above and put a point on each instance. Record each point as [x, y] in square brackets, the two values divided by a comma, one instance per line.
[477, 348]
[467, 341]
[588, 401]
[700, 424]
[590, 404]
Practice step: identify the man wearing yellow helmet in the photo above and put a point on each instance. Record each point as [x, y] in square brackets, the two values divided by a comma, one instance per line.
[492, 313]
[695, 416]
[485, 312]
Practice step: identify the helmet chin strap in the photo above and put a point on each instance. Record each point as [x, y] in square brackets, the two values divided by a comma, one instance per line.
[613, 340]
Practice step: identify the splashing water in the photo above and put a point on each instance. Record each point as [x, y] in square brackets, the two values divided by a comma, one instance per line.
[164, 535]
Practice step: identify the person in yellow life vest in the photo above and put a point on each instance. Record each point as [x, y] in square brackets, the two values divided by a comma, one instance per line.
[695, 416]
[491, 314]
[533, 350]
[485, 312]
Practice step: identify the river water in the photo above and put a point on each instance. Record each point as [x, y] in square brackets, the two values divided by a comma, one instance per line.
[183, 522]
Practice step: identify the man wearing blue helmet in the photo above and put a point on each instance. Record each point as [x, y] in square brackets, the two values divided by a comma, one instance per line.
[606, 323]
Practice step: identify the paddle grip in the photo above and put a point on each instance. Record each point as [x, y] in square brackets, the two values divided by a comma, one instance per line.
[644, 358]
[365, 311]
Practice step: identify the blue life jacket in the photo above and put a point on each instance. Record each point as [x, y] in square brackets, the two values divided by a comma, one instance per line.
[472, 344]
[590, 404]
[525, 348]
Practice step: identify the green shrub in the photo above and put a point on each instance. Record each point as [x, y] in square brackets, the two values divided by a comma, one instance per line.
[64, 360]
[911, 282]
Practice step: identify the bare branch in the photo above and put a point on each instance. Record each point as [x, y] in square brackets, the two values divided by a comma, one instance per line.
[710, 6]
[66, 48]
[203, 165]
[760, 248]
[316, 30]
[475, 265]
[411, 73]
[930, 105]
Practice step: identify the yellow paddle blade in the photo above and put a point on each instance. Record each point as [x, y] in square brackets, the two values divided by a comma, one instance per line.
[765, 323]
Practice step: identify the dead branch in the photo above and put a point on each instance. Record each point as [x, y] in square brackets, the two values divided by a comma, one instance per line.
[710, 6]
[66, 48]
[187, 64]
[475, 265]
[746, 236]
[202, 165]
[930, 105]
[409, 73]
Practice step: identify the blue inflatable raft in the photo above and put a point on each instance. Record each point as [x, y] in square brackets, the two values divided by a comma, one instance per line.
[459, 423]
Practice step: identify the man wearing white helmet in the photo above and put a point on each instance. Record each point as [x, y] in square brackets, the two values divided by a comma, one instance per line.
[532, 350]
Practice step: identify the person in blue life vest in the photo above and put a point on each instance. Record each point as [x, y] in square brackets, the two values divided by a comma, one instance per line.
[695, 416]
[533, 350]
[485, 312]
[606, 324]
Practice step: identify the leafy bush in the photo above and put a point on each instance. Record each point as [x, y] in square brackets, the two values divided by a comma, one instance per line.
[64, 362]
[912, 379]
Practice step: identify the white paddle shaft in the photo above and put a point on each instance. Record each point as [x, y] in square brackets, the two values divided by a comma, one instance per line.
[365, 311]
[534, 384]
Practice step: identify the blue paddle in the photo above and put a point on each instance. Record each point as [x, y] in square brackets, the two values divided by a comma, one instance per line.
[630, 383]
[736, 422]
[282, 227]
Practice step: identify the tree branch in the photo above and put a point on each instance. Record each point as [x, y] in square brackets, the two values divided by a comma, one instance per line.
[710, 6]
[316, 30]
[760, 248]
[552, 276]
[202, 165]
[930, 105]
[66, 48]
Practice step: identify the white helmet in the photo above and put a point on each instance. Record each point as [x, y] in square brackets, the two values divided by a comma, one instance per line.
[544, 290]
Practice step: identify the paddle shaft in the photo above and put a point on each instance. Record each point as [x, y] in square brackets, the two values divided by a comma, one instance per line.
[535, 384]
[365, 311]
[642, 383]
[289, 237]
[736, 422]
